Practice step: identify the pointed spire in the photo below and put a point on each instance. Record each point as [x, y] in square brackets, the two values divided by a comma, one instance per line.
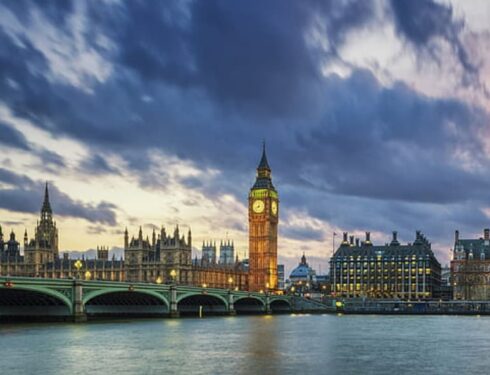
[46, 205]
[264, 164]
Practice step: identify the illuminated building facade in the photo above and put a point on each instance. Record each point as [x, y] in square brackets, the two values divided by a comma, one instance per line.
[263, 218]
[164, 258]
[470, 267]
[391, 271]
[155, 260]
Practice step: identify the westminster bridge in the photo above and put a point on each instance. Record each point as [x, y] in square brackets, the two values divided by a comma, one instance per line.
[79, 300]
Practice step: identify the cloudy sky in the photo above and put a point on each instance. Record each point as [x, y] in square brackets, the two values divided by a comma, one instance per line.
[376, 116]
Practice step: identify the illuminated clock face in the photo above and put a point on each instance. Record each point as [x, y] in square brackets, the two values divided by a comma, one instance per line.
[274, 208]
[258, 206]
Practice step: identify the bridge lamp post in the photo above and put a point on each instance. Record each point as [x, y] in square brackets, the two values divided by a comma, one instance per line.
[230, 282]
[159, 280]
[173, 274]
[88, 275]
[78, 264]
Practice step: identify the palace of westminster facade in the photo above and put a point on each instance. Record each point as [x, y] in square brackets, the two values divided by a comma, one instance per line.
[166, 258]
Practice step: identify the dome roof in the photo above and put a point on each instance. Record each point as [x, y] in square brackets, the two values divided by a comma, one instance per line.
[301, 271]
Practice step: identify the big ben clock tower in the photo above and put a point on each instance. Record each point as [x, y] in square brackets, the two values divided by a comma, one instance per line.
[263, 217]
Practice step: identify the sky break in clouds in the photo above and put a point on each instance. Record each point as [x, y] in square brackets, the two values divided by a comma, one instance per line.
[375, 114]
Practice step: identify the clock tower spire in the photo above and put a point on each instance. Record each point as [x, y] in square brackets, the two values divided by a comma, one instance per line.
[263, 218]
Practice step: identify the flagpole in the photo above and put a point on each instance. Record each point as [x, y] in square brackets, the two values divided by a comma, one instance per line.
[333, 266]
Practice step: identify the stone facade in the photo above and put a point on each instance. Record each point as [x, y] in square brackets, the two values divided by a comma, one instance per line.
[470, 267]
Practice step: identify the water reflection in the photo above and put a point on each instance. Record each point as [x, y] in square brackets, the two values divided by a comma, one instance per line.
[288, 344]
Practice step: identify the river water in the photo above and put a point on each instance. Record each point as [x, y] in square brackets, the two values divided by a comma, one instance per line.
[285, 344]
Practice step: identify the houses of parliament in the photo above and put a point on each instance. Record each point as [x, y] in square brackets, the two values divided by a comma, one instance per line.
[166, 257]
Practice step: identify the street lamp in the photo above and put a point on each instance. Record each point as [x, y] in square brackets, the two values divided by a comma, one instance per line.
[78, 264]
[230, 281]
[159, 280]
[88, 275]
[173, 274]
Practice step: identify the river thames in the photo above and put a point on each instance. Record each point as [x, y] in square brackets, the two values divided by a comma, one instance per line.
[285, 344]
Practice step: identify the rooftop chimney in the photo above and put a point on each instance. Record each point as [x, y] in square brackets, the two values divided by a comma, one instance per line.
[486, 234]
[357, 242]
[456, 235]
[368, 238]
[394, 241]
[351, 240]
[345, 241]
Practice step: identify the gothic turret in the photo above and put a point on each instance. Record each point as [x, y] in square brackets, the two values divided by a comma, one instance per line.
[43, 248]
[26, 239]
[46, 211]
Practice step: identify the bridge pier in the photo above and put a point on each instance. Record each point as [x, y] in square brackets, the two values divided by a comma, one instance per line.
[231, 306]
[79, 314]
[268, 309]
[174, 312]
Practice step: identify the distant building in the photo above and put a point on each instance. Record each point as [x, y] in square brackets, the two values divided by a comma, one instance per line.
[303, 273]
[280, 276]
[208, 252]
[470, 267]
[226, 252]
[391, 271]
[446, 276]
[10, 250]
[302, 279]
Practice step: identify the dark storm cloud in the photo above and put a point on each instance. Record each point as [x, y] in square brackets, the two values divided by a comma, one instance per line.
[302, 233]
[12, 138]
[97, 164]
[421, 22]
[207, 81]
[392, 143]
[23, 194]
[50, 158]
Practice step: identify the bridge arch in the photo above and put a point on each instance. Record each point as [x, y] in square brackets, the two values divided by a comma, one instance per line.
[207, 303]
[117, 301]
[249, 305]
[278, 305]
[27, 301]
